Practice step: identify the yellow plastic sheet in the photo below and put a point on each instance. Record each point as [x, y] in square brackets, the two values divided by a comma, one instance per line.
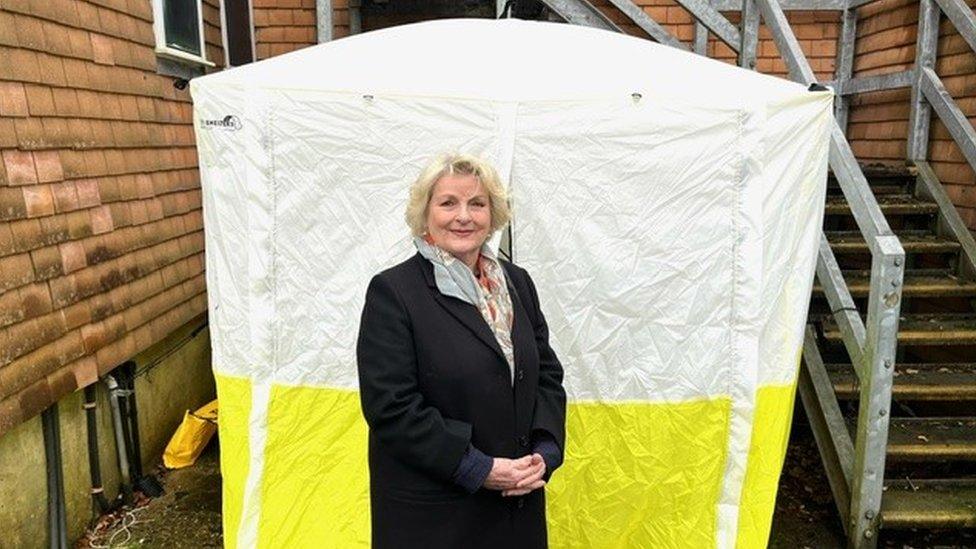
[191, 437]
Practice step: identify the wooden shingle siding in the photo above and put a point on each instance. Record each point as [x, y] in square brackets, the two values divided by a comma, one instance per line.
[282, 26]
[101, 227]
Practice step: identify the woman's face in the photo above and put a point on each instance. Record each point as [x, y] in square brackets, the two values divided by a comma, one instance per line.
[459, 216]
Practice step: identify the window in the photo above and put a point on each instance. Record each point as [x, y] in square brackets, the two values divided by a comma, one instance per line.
[178, 25]
[238, 32]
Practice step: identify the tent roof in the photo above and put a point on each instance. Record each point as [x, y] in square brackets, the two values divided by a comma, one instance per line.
[505, 60]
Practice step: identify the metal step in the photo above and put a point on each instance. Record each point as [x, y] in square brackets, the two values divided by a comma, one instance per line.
[914, 382]
[929, 504]
[891, 204]
[917, 283]
[932, 439]
[919, 242]
[922, 329]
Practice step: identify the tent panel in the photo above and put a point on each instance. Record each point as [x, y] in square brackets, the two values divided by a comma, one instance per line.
[631, 242]
[234, 395]
[770, 434]
[315, 488]
[639, 475]
[796, 142]
[342, 170]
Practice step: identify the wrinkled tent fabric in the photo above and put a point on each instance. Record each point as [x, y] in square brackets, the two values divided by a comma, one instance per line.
[668, 207]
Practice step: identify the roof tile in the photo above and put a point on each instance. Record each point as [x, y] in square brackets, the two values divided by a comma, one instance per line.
[6, 240]
[79, 224]
[40, 100]
[39, 200]
[54, 229]
[87, 15]
[30, 33]
[13, 99]
[15, 271]
[76, 315]
[27, 234]
[48, 165]
[101, 220]
[80, 133]
[52, 70]
[65, 196]
[35, 300]
[55, 132]
[20, 167]
[47, 262]
[72, 256]
[66, 101]
[81, 44]
[12, 204]
[102, 49]
[30, 132]
[8, 138]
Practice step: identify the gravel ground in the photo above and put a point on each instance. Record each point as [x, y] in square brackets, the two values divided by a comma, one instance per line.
[188, 514]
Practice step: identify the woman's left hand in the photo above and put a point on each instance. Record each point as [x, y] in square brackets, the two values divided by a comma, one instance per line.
[531, 482]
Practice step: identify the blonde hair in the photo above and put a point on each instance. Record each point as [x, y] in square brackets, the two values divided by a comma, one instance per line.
[456, 164]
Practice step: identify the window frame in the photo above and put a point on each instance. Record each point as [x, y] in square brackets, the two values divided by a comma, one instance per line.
[163, 50]
[223, 33]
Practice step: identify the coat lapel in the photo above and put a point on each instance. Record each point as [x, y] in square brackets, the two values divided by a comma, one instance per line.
[466, 313]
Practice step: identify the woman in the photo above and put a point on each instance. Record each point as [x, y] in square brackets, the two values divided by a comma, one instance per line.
[461, 390]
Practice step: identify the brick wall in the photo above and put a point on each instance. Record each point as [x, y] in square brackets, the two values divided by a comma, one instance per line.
[101, 231]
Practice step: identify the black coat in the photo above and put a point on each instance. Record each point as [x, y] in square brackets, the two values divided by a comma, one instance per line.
[433, 379]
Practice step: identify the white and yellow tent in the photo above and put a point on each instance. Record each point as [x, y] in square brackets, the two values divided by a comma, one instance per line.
[668, 207]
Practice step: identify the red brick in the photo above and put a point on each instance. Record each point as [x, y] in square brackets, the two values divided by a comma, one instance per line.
[13, 99]
[39, 200]
[20, 167]
[72, 256]
[48, 164]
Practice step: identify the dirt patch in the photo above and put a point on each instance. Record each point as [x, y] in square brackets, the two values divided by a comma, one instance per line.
[186, 516]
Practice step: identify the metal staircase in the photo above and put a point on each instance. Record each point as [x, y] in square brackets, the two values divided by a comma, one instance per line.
[930, 459]
[888, 379]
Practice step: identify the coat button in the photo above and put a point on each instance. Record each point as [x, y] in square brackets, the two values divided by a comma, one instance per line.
[523, 441]
[521, 503]
[520, 375]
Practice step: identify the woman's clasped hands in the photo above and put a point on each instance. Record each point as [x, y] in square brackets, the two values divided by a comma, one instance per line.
[516, 477]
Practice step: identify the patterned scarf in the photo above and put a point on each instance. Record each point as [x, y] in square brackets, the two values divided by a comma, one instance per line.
[488, 292]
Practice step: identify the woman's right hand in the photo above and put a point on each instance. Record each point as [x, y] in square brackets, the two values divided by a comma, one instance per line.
[506, 473]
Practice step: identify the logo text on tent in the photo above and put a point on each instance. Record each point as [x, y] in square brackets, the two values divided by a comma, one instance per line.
[230, 123]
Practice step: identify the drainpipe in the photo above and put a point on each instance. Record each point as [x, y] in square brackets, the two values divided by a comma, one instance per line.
[56, 514]
[115, 394]
[99, 503]
[323, 9]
